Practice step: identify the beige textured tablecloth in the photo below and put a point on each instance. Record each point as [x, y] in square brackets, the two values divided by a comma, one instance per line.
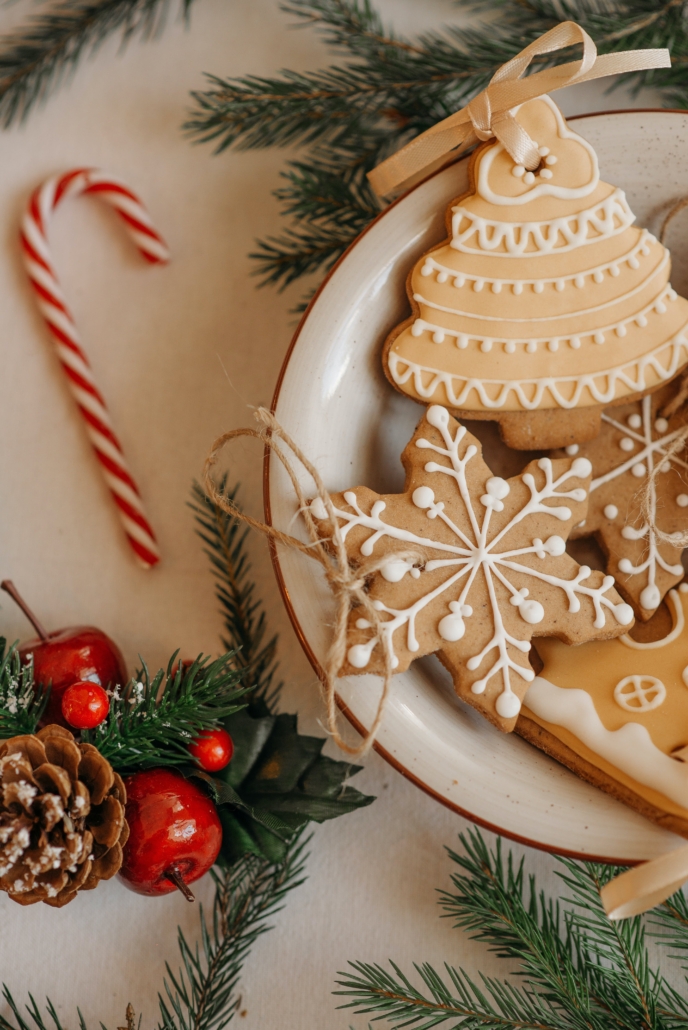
[181, 354]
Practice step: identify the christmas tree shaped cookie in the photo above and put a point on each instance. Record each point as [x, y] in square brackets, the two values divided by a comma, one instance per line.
[643, 549]
[546, 303]
[618, 716]
[492, 570]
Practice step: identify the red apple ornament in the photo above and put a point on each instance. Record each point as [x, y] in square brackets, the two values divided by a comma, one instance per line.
[67, 656]
[85, 705]
[174, 833]
[213, 749]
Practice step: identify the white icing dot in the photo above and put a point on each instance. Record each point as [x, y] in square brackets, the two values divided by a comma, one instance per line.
[394, 571]
[672, 294]
[451, 627]
[634, 421]
[528, 178]
[417, 328]
[624, 615]
[614, 270]
[661, 425]
[641, 321]
[437, 416]
[478, 285]
[496, 287]
[518, 171]
[598, 276]
[633, 262]
[551, 159]
[442, 277]
[517, 288]
[426, 269]
[650, 597]
[462, 341]
[611, 511]
[438, 337]
[538, 287]
[639, 470]
[684, 675]
[508, 705]
[575, 342]
[559, 285]
[555, 545]
[545, 173]
[682, 500]
[580, 281]
[486, 346]
[423, 497]
[553, 345]
[496, 489]
[531, 346]
[665, 466]
[598, 337]
[510, 346]
[626, 444]
[359, 655]
[459, 281]
[363, 624]
[543, 151]
[318, 509]
[572, 449]
[582, 467]
[531, 612]
[620, 329]
[660, 308]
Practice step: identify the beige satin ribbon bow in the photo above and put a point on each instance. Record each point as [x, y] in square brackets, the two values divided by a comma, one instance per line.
[646, 885]
[490, 113]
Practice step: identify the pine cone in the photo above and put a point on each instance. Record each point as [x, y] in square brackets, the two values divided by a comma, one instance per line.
[62, 825]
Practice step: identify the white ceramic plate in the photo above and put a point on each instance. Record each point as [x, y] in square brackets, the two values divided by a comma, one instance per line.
[334, 400]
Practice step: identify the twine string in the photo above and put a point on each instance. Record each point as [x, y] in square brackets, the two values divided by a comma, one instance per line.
[346, 581]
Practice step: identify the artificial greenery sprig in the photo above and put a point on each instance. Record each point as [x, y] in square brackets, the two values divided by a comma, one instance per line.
[576, 969]
[387, 88]
[21, 704]
[152, 721]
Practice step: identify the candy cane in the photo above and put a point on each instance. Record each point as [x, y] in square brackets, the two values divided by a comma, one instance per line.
[60, 322]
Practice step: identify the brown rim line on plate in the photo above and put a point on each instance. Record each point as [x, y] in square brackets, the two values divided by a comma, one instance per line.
[351, 717]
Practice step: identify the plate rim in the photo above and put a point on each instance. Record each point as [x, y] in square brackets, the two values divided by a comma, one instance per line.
[277, 568]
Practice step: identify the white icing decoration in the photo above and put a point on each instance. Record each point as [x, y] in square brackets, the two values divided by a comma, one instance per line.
[474, 552]
[494, 393]
[542, 189]
[676, 630]
[639, 693]
[545, 174]
[682, 500]
[421, 325]
[653, 447]
[572, 449]
[684, 676]
[318, 509]
[519, 171]
[626, 444]
[551, 159]
[609, 218]
[629, 748]
[394, 571]
[611, 511]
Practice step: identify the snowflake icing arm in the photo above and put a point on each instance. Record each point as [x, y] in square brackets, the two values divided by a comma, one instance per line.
[493, 570]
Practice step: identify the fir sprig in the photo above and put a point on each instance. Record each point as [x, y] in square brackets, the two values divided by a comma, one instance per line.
[387, 88]
[21, 703]
[202, 995]
[152, 721]
[576, 969]
[38, 56]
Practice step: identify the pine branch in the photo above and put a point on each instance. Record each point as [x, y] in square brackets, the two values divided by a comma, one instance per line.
[21, 704]
[38, 56]
[244, 617]
[387, 88]
[577, 970]
[202, 994]
[154, 720]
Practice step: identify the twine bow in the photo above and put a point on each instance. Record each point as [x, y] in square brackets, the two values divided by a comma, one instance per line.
[347, 582]
[490, 113]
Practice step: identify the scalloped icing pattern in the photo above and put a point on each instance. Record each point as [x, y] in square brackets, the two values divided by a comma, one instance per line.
[530, 392]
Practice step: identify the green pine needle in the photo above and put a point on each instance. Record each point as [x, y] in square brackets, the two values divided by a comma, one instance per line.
[38, 56]
[21, 705]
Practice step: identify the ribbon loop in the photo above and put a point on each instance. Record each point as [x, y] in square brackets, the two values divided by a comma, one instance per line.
[490, 113]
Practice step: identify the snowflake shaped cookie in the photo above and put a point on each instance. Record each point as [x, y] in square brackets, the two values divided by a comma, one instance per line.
[634, 440]
[494, 569]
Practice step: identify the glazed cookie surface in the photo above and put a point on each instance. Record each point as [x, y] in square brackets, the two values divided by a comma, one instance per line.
[492, 569]
[618, 716]
[545, 303]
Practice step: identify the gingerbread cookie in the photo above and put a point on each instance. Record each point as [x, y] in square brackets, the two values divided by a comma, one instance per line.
[493, 572]
[546, 302]
[634, 440]
[618, 716]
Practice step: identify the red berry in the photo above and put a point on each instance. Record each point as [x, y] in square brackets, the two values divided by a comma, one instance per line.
[213, 750]
[85, 705]
[175, 833]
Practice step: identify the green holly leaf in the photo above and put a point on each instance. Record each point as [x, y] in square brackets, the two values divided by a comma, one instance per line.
[277, 781]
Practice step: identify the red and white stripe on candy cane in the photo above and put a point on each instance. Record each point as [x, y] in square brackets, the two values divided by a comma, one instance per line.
[60, 322]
